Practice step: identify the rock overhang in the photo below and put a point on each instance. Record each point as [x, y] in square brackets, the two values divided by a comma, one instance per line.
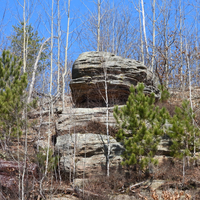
[88, 79]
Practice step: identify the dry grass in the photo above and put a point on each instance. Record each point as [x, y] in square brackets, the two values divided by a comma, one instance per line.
[96, 128]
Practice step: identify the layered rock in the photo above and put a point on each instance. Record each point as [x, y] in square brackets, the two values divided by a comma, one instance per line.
[75, 117]
[90, 153]
[88, 79]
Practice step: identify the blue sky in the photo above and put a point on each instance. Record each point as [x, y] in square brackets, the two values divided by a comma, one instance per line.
[80, 10]
[12, 13]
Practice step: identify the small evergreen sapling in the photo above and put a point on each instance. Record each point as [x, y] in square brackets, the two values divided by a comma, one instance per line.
[140, 127]
[53, 160]
[164, 93]
[183, 133]
[12, 86]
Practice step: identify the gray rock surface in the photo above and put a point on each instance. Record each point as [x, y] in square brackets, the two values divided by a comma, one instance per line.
[156, 184]
[63, 197]
[163, 147]
[122, 197]
[88, 79]
[90, 150]
[74, 117]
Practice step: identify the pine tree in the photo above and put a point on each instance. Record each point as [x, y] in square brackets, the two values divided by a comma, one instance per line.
[183, 133]
[164, 93]
[140, 127]
[12, 86]
[32, 47]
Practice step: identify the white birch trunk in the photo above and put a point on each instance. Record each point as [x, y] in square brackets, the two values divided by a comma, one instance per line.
[154, 30]
[190, 89]
[98, 26]
[181, 47]
[196, 45]
[166, 47]
[59, 35]
[141, 37]
[19, 176]
[107, 128]
[35, 69]
[113, 26]
[25, 155]
[24, 114]
[189, 73]
[24, 39]
[74, 158]
[66, 49]
[51, 75]
[50, 106]
[144, 30]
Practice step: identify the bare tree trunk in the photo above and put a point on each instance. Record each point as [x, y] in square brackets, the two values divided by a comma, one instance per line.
[25, 156]
[113, 26]
[35, 69]
[107, 128]
[154, 30]
[50, 106]
[59, 35]
[74, 157]
[19, 176]
[188, 67]
[183, 169]
[144, 30]
[98, 26]
[141, 37]
[24, 111]
[106, 100]
[51, 75]
[24, 35]
[190, 89]
[196, 45]
[66, 50]
[166, 46]
[181, 47]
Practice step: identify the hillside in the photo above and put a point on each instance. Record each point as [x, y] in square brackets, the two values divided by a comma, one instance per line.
[63, 155]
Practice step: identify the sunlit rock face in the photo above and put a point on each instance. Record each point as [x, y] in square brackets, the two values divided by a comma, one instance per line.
[92, 71]
[91, 152]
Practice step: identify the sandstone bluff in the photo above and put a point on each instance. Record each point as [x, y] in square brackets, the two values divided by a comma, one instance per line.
[88, 93]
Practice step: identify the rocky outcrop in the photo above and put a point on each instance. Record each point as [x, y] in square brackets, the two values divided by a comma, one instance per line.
[88, 79]
[90, 153]
[76, 117]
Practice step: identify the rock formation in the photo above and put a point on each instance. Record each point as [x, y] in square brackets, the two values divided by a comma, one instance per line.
[74, 117]
[88, 79]
[88, 93]
[90, 150]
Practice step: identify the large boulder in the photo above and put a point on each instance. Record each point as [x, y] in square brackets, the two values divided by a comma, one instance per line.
[88, 79]
[90, 153]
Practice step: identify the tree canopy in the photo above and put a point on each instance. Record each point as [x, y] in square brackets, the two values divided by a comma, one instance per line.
[141, 126]
[32, 46]
[183, 132]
